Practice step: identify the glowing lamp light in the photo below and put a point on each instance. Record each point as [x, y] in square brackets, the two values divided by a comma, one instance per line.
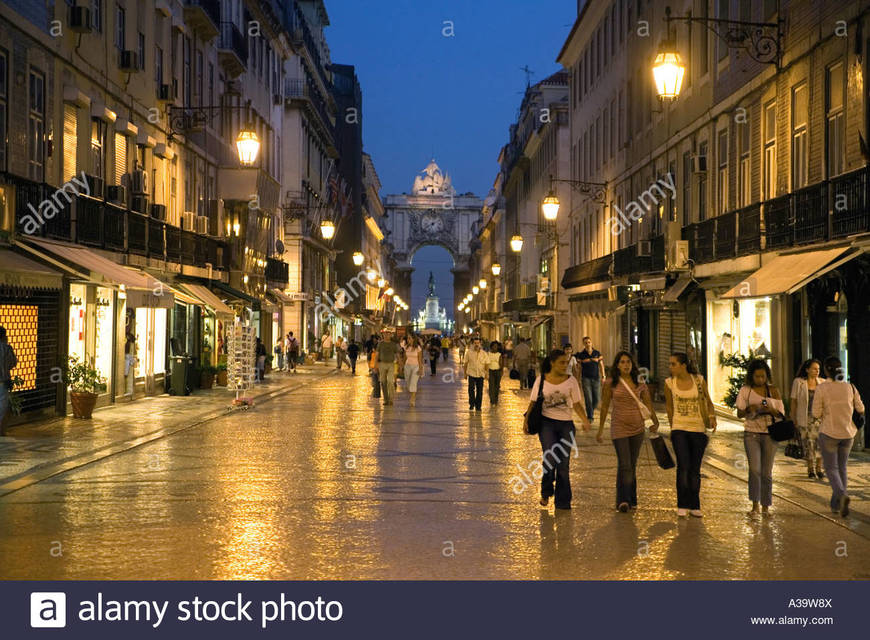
[371, 275]
[668, 71]
[248, 146]
[475, 289]
[358, 258]
[389, 291]
[483, 283]
[496, 268]
[381, 283]
[517, 243]
[327, 229]
[550, 206]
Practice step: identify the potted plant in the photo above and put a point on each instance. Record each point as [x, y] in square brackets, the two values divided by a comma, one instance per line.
[14, 398]
[85, 383]
[221, 371]
[207, 375]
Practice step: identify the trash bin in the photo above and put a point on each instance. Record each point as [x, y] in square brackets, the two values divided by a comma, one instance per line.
[179, 364]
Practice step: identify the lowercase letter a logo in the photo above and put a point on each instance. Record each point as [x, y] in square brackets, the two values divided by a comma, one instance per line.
[48, 609]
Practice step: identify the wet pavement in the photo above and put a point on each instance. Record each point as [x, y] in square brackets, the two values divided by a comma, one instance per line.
[319, 481]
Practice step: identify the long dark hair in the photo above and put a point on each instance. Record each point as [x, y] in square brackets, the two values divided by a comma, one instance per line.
[614, 370]
[756, 365]
[802, 372]
[834, 369]
[547, 364]
[683, 358]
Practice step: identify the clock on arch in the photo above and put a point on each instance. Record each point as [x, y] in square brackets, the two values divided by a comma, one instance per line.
[432, 223]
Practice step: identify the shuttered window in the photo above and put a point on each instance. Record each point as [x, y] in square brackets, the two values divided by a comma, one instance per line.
[70, 140]
[120, 157]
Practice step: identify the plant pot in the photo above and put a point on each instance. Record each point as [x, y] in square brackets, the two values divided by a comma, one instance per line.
[83, 403]
[206, 381]
[222, 378]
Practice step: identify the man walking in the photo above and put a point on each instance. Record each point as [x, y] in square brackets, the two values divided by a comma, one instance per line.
[592, 371]
[291, 346]
[8, 360]
[445, 348]
[476, 367]
[385, 359]
[352, 355]
[339, 352]
[326, 345]
[522, 361]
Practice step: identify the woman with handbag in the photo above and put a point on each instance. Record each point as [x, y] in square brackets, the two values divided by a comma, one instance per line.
[413, 366]
[803, 391]
[758, 404]
[559, 394]
[632, 407]
[838, 404]
[690, 413]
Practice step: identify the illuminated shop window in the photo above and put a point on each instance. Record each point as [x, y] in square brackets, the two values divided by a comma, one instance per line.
[21, 322]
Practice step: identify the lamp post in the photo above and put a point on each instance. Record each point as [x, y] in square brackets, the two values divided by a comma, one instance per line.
[183, 120]
[496, 268]
[358, 258]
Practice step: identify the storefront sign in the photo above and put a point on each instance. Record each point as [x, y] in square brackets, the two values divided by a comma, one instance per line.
[143, 298]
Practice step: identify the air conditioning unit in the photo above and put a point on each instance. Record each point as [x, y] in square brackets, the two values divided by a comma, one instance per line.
[80, 19]
[139, 182]
[678, 256]
[188, 221]
[215, 217]
[139, 203]
[202, 225]
[129, 61]
[117, 193]
[95, 186]
[699, 164]
[158, 211]
[165, 93]
[644, 248]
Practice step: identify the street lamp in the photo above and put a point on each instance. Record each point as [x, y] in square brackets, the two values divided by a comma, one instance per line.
[327, 229]
[482, 284]
[550, 205]
[475, 289]
[248, 146]
[381, 283]
[389, 291]
[358, 258]
[371, 274]
[496, 268]
[516, 243]
[668, 71]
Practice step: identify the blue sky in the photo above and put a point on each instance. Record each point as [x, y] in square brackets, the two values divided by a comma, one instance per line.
[452, 97]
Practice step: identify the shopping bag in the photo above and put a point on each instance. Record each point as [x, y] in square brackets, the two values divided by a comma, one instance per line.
[660, 449]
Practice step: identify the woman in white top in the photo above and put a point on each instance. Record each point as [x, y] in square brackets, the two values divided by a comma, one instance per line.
[562, 395]
[690, 413]
[834, 403]
[803, 391]
[413, 366]
[495, 367]
[759, 403]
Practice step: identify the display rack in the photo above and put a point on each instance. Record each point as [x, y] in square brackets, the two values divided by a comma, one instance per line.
[241, 346]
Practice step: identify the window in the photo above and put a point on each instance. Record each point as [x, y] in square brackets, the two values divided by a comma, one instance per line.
[834, 123]
[36, 127]
[687, 185]
[211, 83]
[769, 124]
[141, 43]
[199, 79]
[799, 113]
[98, 148]
[70, 140]
[723, 13]
[704, 43]
[188, 84]
[188, 185]
[158, 66]
[702, 186]
[744, 178]
[120, 157]
[97, 15]
[120, 28]
[4, 101]
[722, 172]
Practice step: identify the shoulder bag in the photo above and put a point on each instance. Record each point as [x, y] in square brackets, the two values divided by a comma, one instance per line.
[535, 414]
[702, 402]
[645, 413]
[857, 418]
[780, 430]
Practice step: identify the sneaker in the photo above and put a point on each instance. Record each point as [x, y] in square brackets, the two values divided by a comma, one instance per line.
[623, 507]
[696, 513]
[682, 513]
[545, 500]
[844, 505]
[811, 473]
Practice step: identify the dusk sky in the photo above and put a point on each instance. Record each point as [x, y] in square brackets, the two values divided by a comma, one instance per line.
[426, 94]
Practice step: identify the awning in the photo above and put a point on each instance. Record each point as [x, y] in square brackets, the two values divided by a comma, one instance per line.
[183, 296]
[18, 271]
[208, 298]
[676, 290]
[282, 297]
[241, 296]
[787, 273]
[142, 290]
[587, 272]
[540, 320]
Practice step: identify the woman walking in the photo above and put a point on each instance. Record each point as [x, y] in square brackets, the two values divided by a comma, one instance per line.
[562, 395]
[413, 366]
[626, 393]
[803, 391]
[835, 402]
[462, 345]
[495, 366]
[690, 414]
[759, 403]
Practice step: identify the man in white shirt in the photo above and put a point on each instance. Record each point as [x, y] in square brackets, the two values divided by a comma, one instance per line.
[476, 367]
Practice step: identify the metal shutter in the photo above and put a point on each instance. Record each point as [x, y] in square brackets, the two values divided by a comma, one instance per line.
[120, 157]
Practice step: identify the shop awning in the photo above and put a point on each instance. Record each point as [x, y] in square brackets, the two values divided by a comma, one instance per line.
[787, 273]
[540, 320]
[676, 290]
[281, 297]
[18, 271]
[142, 290]
[253, 302]
[208, 298]
[183, 296]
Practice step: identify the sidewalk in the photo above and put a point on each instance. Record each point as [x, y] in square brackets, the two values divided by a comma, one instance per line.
[36, 451]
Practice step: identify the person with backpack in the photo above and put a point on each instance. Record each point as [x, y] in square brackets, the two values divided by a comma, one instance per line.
[523, 361]
[291, 346]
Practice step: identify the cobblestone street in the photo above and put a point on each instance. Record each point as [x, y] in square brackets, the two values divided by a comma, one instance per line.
[319, 481]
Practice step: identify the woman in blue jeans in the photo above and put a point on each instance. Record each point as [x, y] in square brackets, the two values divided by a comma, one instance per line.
[561, 396]
[758, 403]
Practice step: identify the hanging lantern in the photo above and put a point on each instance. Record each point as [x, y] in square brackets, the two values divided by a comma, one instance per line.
[517, 243]
[327, 229]
[668, 71]
[248, 146]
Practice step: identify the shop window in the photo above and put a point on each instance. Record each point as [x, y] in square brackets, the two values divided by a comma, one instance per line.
[104, 330]
[21, 323]
[736, 327]
[77, 321]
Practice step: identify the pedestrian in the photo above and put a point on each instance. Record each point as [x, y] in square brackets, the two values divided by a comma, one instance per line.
[373, 368]
[522, 361]
[835, 403]
[562, 396]
[592, 371]
[803, 391]
[434, 352]
[279, 353]
[260, 354]
[495, 367]
[690, 413]
[385, 358]
[445, 347]
[475, 368]
[291, 345]
[626, 393]
[573, 362]
[508, 350]
[413, 366]
[341, 353]
[8, 360]
[326, 345]
[352, 355]
[461, 343]
[130, 362]
[759, 403]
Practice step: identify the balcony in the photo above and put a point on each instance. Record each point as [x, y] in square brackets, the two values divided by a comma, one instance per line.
[850, 203]
[300, 36]
[203, 17]
[597, 270]
[627, 262]
[810, 216]
[749, 229]
[303, 93]
[32, 194]
[232, 50]
[725, 239]
[778, 222]
[277, 272]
